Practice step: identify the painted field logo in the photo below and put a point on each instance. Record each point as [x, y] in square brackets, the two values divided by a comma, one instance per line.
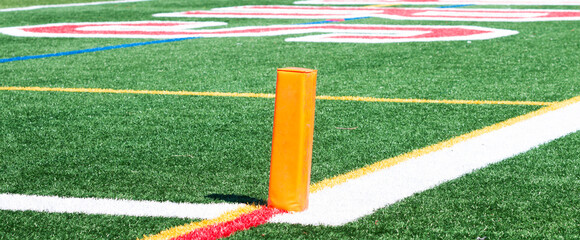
[441, 14]
[478, 2]
[345, 33]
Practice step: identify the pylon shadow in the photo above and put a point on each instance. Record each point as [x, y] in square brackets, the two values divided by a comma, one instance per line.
[234, 198]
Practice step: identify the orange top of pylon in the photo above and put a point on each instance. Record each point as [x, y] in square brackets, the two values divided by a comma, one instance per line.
[297, 69]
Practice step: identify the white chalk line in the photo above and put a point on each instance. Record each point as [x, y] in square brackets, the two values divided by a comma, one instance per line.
[54, 204]
[67, 5]
[362, 196]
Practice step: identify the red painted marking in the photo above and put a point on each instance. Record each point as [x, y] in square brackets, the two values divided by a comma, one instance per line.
[279, 11]
[76, 29]
[218, 14]
[320, 32]
[225, 229]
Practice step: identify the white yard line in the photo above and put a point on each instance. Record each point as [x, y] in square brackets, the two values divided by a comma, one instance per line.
[17, 202]
[362, 196]
[67, 5]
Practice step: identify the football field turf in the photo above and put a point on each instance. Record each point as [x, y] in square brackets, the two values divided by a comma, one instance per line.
[190, 121]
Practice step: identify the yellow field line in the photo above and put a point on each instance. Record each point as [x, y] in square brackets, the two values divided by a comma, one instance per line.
[152, 92]
[267, 95]
[184, 229]
[399, 100]
[327, 183]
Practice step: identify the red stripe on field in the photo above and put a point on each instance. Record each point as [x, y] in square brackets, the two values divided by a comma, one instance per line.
[225, 229]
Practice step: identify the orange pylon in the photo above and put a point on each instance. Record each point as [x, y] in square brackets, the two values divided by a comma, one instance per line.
[292, 139]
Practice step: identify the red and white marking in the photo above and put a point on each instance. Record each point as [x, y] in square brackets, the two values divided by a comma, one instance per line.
[424, 2]
[441, 14]
[68, 5]
[346, 33]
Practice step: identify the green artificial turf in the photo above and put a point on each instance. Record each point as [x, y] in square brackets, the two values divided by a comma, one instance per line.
[215, 149]
[38, 225]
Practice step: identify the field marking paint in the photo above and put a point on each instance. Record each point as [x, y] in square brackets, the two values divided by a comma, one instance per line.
[68, 5]
[443, 2]
[401, 100]
[184, 229]
[135, 26]
[23, 58]
[268, 95]
[128, 91]
[329, 183]
[458, 6]
[328, 33]
[332, 199]
[382, 5]
[55, 204]
[224, 229]
[444, 13]
[333, 20]
[348, 197]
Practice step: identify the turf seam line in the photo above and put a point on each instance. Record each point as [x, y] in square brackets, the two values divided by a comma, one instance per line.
[267, 95]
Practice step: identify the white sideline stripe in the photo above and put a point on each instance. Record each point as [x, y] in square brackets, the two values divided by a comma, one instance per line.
[67, 5]
[18, 202]
[362, 196]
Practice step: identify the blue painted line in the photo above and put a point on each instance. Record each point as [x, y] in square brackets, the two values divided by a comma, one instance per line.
[311, 23]
[356, 18]
[331, 21]
[457, 6]
[4, 60]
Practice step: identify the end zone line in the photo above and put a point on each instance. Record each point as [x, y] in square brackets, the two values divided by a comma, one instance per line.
[268, 95]
[67, 5]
